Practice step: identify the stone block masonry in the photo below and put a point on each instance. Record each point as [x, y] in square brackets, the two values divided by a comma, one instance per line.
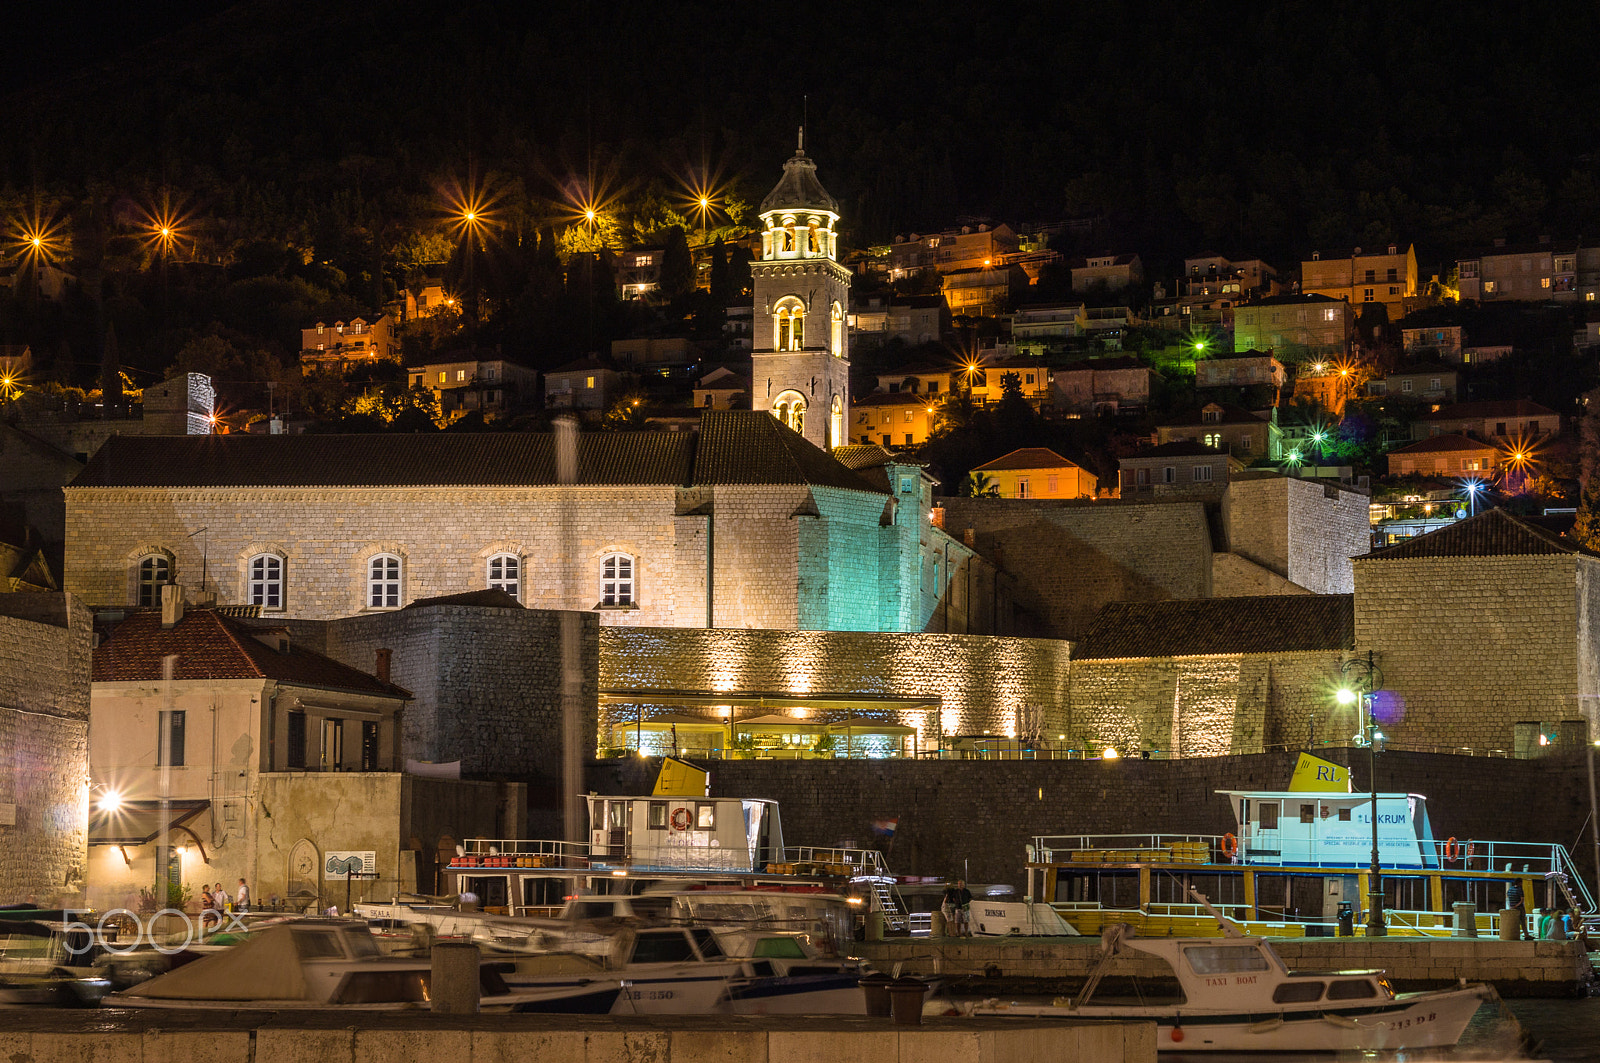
[977, 816]
[981, 684]
[45, 643]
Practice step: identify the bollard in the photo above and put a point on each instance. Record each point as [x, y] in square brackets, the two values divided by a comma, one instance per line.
[936, 924]
[905, 999]
[1466, 919]
[1511, 928]
[454, 987]
[874, 926]
[876, 989]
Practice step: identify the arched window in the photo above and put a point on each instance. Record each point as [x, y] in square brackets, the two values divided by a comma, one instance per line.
[505, 574]
[616, 580]
[836, 423]
[154, 571]
[790, 408]
[265, 585]
[383, 582]
[790, 322]
[836, 322]
[813, 242]
[788, 236]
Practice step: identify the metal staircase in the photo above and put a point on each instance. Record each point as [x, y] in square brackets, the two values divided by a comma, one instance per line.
[886, 900]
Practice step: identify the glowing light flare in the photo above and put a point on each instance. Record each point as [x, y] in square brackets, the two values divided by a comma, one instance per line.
[164, 227]
[469, 211]
[110, 801]
[702, 195]
[1346, 696]
[38, 239]
[1111, 753]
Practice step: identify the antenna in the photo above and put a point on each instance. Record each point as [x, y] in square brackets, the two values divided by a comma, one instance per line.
[805, 118]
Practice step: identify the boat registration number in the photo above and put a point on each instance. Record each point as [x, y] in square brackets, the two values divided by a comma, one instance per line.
[651, 994]
[1401, 1024]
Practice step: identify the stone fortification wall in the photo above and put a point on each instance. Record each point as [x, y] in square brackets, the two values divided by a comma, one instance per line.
[1070, 558]
[487, 682]
[985, 684]
[978, 815]
[1304, 530]
[1235, 576]
[1470, 647]
[44, 746]
[1206, 706]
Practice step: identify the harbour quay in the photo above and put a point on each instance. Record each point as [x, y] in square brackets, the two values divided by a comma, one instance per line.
[418, 1037]
[1514, 968]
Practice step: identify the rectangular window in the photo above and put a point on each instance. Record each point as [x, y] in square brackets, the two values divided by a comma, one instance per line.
[909, 414]
[1246, 443]
[1405, 386]
[1050, 484]
[1344, 815]
[909, 443]
[1267, 816]
[294, 756]
[1433, 383]
[1169, 474]
[588, 382]
[1141, 477]
[705, 817]
[1366, 295]
[1022, 488]
[1202, 473]
[658, 815]
[444, 377]
[461, 374]
[169, 743]
[1308, 813]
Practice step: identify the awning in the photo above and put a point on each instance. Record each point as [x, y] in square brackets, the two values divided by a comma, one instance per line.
[141, 822]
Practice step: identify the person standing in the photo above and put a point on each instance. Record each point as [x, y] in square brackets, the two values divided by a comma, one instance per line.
[956, 906]
[241, 899]
[1514, 904]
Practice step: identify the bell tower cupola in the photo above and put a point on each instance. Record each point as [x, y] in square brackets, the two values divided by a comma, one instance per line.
[800, 357]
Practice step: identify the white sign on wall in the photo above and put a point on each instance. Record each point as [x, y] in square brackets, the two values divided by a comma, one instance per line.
[340, 863]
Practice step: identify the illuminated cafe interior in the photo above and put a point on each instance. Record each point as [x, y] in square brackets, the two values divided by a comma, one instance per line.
[769, 727]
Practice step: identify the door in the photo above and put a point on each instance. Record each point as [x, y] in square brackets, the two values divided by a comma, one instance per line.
[1265, 842]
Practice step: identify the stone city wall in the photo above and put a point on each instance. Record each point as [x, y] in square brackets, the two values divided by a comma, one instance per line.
[487, 683]
[1071, 558]
[44, 746]
[977, 816]
[1467, 650]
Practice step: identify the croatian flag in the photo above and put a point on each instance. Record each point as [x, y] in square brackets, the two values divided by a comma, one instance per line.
[884, 827]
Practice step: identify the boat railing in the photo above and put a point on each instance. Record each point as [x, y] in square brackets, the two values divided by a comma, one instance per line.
[1058, 848]
[855, 863]
[521, 852]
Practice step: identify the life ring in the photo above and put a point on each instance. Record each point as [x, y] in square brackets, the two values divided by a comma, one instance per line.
[1470, 850]
[1451, 850]
[680, 819]
[1230, 845]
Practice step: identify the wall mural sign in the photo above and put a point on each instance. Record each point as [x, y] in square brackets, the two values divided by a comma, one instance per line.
[340, 863]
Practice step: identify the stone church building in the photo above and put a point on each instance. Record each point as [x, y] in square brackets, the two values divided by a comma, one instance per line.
[742, 523]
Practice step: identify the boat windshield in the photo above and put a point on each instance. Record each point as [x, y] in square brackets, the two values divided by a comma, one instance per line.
[780, 948]
[317, 944]
[666, 947]
[1225, 959]
[707, 941]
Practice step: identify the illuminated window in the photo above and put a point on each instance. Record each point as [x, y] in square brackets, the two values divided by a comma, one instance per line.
[266, 582]
[791, 329]
[588, 381]
[644, 260]
[383, 582]
[461, 374]
[616, 580]
[1544, 282]
[1489, 287]
[154, 571]
[909, 415]
[505, 574]
[1022, 488]
[790, 408]
[444, 377]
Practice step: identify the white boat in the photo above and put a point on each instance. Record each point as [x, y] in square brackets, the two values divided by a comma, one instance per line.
[1024, 918]
[786, 974]
[326, 964]
[662, 970]
[1237, 996]
[42, 962]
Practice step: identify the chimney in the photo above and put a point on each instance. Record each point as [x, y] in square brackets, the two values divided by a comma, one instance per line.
[382, 668]
[936, 517]
[171, 605]
[971, 538]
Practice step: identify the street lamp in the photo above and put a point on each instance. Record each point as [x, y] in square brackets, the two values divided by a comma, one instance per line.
[1362, 672]
[1472, 487]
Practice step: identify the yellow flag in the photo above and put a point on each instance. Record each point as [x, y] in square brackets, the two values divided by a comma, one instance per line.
[1314, 775]
[678, 779]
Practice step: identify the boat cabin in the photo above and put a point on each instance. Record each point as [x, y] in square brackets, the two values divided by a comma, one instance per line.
[677, 834]
[1287, 828]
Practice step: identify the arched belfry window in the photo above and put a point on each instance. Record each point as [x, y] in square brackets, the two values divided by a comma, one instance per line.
[836, 331]
[790, 408]
[790, 322]
[836, 423]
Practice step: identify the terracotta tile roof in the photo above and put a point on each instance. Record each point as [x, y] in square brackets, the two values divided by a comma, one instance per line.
[1267, 624]
[1181, 448]
[383, 460]
[1492, 533]
[1442, 444]
[753, 447]
[897, 398]
[858, 456]
[211, 646]
[1027, 458]
[1456, 411]
[731, 447]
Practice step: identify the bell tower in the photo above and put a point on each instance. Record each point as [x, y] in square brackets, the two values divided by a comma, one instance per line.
[800, 361]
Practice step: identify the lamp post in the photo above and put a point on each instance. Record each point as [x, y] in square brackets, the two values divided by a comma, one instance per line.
[1369, 735]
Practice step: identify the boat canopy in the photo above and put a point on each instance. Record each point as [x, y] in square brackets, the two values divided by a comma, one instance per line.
[1331, 828]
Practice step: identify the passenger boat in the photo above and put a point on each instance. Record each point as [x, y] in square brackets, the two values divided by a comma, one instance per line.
[1236, 995]
[328, 964]
[1296, 860]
